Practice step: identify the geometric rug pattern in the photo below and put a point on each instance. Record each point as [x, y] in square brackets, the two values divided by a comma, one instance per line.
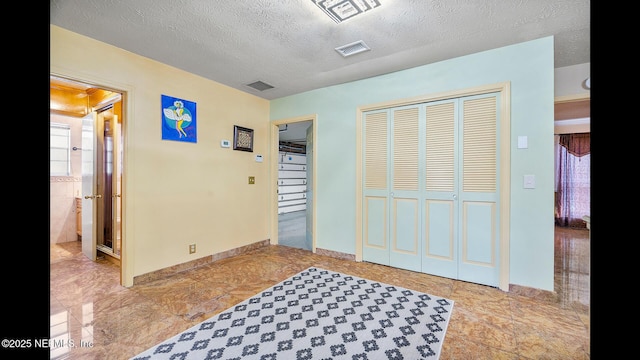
[318, 314]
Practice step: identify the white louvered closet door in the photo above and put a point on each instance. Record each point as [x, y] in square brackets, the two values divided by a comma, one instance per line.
[430, 191]
[440, 256]
[375, 199]
[479, 200]
[461, 203]
[406, 214]
[391, 200]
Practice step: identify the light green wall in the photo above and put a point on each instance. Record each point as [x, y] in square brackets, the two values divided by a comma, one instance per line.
[527, 66]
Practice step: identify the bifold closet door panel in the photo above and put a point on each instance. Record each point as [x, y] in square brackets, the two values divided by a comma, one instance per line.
[405, 217]
[440, 225]
[375, 203]
[479, 195]
[391, 201]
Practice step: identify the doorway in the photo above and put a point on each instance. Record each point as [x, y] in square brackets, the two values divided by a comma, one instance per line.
[293, 150]
[572, 119]
[97, 113]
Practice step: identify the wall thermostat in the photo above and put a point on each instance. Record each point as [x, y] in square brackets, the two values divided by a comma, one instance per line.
[225, 143]
[258, 158]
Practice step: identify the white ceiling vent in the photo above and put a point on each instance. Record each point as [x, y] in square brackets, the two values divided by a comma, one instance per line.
[353, 48]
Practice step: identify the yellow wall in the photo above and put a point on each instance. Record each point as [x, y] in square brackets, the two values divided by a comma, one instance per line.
[176, 193]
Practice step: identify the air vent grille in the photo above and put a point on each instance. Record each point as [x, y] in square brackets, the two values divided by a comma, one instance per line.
[260, 86]
[353, 48]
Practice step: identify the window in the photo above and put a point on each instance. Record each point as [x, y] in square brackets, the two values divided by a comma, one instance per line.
[59, 147]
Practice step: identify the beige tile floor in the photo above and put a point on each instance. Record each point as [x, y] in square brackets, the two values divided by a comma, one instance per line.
[88, 306]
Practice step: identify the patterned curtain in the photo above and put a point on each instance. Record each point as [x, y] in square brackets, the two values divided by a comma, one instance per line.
[573, 179]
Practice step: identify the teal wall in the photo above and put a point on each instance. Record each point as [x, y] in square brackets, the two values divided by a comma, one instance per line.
[527, 66]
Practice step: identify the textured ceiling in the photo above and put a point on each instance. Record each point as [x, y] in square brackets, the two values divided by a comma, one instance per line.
[290, 44]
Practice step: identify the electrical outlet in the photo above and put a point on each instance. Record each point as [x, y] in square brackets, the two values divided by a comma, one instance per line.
[252, 179]
[192, 248]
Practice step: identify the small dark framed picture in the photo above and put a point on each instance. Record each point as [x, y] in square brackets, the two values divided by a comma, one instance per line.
[242, 138]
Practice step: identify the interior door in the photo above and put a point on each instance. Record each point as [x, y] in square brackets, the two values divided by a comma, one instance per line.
[405, 211]
[107, 175]
[461, 236]
[479, 199]
[89, 185]
[375, 175]
[117, 184]
[430, 191]
[440, 256]
[392, 211]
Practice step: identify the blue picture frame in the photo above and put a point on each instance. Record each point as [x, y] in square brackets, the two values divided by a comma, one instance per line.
[178, 118]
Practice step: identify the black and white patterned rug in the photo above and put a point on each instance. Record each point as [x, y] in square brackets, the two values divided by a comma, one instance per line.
[318, 314]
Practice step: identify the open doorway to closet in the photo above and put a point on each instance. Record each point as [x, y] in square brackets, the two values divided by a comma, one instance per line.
[295, 185]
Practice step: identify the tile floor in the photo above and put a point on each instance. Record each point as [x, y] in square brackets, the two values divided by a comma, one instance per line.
[88, 306]
[292, 230]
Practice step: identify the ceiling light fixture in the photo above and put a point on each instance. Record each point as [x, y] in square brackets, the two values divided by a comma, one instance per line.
[341, 10]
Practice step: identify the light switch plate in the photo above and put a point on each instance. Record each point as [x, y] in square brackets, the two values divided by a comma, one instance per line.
[529, 181]
[522, 142]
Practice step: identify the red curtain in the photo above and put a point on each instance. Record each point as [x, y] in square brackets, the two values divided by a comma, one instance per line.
[573, 176]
